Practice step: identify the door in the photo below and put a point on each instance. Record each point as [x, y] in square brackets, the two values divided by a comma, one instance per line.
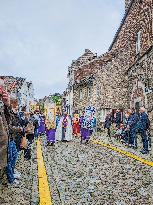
[137, 107]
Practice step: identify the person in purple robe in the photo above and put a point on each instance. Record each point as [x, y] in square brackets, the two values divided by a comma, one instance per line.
[85, 132]
[41, 129]
[50, 133]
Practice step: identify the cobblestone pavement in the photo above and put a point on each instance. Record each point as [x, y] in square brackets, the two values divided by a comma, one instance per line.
[26, 191]
[83, 175]
[117, 143]
[91, 174]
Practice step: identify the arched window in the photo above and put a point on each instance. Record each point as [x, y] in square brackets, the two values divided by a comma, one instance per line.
[81, 94]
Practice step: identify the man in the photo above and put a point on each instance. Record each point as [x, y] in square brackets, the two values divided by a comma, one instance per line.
[132, 124]
[144, 125]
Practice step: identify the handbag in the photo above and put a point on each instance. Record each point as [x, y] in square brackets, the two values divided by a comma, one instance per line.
[23, 144]
[30, 129]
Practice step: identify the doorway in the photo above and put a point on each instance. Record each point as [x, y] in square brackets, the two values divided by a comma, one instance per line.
[137, 107]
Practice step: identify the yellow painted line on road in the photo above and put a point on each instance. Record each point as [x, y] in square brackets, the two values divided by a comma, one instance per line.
[44, 191]
[128, 154]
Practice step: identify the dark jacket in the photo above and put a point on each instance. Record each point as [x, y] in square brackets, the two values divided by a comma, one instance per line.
[108, 121]
[144, 121]
[118, 118]
[132, 121]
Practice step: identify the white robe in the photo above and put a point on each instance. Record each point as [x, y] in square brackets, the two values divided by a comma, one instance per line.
[69, 131]
[58, 134]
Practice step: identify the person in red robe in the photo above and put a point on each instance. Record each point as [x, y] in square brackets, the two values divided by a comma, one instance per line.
[76, 125]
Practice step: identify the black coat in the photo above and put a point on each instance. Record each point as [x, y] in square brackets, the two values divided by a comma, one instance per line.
[108, 122]
[144, 121]
[118, 118]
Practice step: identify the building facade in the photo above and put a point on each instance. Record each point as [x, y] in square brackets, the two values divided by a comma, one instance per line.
[82, 85]
[122, 77]
[20, 91]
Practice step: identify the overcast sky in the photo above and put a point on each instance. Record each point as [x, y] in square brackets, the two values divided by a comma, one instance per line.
[40, 38]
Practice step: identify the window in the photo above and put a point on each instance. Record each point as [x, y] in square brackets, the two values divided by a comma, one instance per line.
[81, 94]
[89, 91]
[98, 91]
[138, 42]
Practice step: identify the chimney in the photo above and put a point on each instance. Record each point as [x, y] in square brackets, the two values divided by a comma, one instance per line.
[127, 4]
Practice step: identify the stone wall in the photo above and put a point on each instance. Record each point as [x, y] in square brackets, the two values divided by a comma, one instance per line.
[113, 82]
[81, 103]
[140, 87]
[138, 18]
[112, 76]
[113, 86]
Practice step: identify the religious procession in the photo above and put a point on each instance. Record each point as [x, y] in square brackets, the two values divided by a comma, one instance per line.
[59, 132]
[68, 127]
[76, 126]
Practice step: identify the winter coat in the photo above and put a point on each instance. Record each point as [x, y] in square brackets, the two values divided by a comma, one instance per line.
[118, 118]
[132, 121]
[108, 122]
[144, 121]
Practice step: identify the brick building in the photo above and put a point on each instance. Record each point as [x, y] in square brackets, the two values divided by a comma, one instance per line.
[126, 80]
[122, 77]
[20, 91]
[77, 73]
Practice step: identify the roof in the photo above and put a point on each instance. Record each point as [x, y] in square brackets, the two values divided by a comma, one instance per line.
[121, 24]
[83, 58]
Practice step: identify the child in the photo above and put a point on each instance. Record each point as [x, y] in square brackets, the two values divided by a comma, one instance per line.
[119, 132]
[50, 133]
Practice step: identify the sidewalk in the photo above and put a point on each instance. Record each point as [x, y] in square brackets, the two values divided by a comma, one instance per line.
[26, 191]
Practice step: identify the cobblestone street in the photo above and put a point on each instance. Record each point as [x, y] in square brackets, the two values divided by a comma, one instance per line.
[91, 174]
[76, 102]
[86, 174]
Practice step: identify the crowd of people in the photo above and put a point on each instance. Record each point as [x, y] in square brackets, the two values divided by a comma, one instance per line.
[24, 127]
[21, 128]
[68, 126]
[127, 127]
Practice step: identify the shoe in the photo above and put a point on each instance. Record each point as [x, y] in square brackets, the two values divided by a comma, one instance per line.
[17, 176]
[134, 147]
[144, 151]
[16, 182]
[87, 141]
[17, 172]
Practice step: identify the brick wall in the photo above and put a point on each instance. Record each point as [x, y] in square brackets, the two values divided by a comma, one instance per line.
[139, 18]
[140, 80]
[112, 76]
[113, 86]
